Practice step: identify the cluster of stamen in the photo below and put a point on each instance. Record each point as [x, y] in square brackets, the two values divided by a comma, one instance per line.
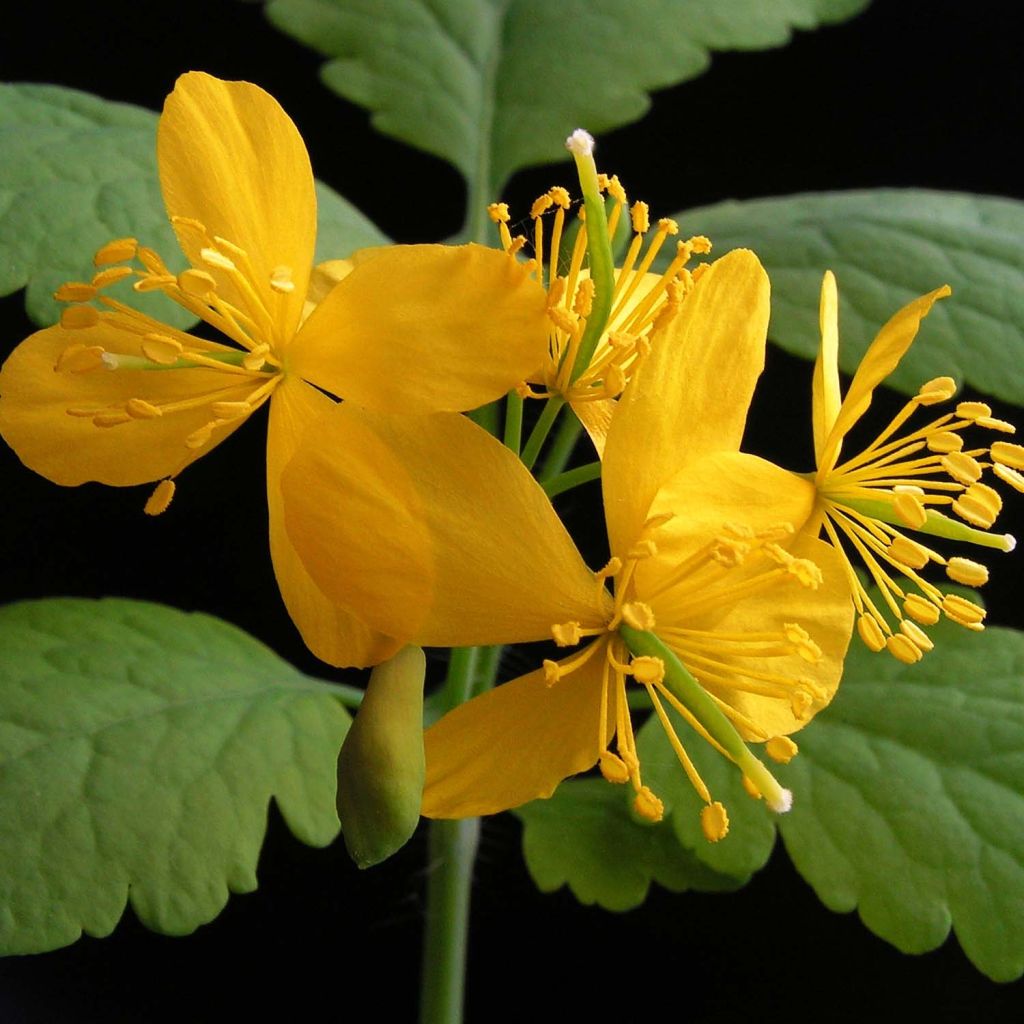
[638, 304]
[733, 566]
[908, 479]
[250, 372]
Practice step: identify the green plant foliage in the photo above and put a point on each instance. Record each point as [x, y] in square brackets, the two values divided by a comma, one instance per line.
[139, 749]
[886, 247]
[496, 85]
[586, 837]
[78, 171]
[910, 797]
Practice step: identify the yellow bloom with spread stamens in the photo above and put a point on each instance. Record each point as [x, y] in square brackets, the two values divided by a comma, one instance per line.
[112, 395]
[639, 299]
[444, 538]
[903, 482]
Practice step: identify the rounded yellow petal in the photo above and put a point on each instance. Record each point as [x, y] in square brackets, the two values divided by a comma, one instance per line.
[825, 394]
[425, 328]
[691, 395]
[514, 743]
[72, 449]
[432, 531]
[331, 632]
[881, 358]
[231, 159]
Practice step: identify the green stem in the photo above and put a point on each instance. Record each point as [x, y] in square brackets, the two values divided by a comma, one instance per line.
[487, 417]
[514, 421]
[541, 429]
[561, 448]
[573, 478]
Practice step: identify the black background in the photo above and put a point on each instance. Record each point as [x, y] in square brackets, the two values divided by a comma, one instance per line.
[911, 93]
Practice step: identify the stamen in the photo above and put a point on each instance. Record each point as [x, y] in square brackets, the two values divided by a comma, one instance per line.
[75, 291]
[139, 409]
[1007, 454]
[714, 822]
[963, 570]
[648, 806]
[161, 497]
[959, 609]
[781, 749]
[939, 389]
[80, 359]
[161, 349]
[917, 635]
[921, 609]
[902, 648]
[638, 615]
[566, 634]
[117, 251]
[76, 318]
[870, 630]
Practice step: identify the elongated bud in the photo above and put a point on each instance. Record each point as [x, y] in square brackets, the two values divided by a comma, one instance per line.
[381, 766]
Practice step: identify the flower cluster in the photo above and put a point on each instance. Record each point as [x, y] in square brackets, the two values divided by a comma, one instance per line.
[730, 593]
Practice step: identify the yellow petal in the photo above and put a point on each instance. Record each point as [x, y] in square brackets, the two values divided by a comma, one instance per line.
[513, 744]
[432, 531]
[881, 358]
[691, 395]
[424, 328]
[232, 159]
[70, 450]
[710, 494]
[825, 387]
[596, 417]
[331, 632]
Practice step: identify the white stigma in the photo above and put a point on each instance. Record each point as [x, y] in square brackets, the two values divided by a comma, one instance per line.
[1011, 541]
[783, 803]
[580, 143]
[110, 361]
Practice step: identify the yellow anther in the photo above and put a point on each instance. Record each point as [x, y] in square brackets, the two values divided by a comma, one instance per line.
[1009, 476]
[117, 251]
[801, 700]
[613, 768]
[602, 181]
[161, 497]
[775, 532]
[944, 441]
[870, 632]
[498, 212]
[647, 671]
[76, 318]
[699, 244]
[103, 278]
[80, 359]
[648, 806]
[614, 381]
[281, 280]
[668, 225]
[640, 217]
[583, 301]
[621, 339]
[962, 468]
[631, 761]
[991, 423]
[699, 271]
[151, 260]
[75, 291]
[714, 822]
[541, 205]
[781, 749]
[751, 789]
[921, 609]
[615, 189]
[215, 258]
[154, 283]
[909, 508]
[110, 419]
[970, 574]
[908, 552]
[551, 672]
[805, 572]
[196, 283]
[161, 349]
[562, 319]
[556, 291]
[230, 410]
[638, 615]
[199, 437]
[902, 648]
[729, 552]
[559, 196]
[802, 642]
[255, 359]
[643, 549]
[939, 389]
[979, 505]
[973, 410]
[657, 521]
[1007, 454]
[566, 634]
[140, 409]
[613, 568]
[917, 635]
[959, 609]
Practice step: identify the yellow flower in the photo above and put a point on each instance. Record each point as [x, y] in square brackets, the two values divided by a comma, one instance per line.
[639, 299]
[444, 538]
[866, 503]
[406, 329]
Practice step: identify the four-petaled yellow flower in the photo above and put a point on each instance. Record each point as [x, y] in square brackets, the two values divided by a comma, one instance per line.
[114, 396]
[865, 503]
[438, 535]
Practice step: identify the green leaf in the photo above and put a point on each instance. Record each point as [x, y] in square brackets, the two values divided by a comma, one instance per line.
[496, 85]
[586, 837]
[139, 749]
[888, 246]
[909, 797]
[78, 171]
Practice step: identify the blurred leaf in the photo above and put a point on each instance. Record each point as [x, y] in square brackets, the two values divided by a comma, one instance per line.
[495, 85]
[78, 171]
[139, 749]
[888, 246]
[910, 797]
[586, 837]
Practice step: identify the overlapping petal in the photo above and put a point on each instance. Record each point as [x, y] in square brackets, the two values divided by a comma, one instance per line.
[692, 394]
[514, 743]
[825, 395]
[232, 159]
[433, 531]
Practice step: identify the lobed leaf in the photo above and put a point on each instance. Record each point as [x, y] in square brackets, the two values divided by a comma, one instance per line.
[140, 747]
